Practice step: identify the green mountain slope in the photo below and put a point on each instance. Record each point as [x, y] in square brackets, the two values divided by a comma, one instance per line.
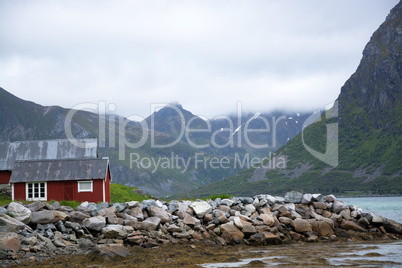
[368, 119]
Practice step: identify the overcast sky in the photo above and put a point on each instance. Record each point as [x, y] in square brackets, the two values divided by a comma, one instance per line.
[206, 55]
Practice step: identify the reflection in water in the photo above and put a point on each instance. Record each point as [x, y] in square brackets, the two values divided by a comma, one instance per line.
[320, 255]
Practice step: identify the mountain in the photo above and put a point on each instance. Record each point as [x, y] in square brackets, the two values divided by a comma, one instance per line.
[165, 163]
[354, 147]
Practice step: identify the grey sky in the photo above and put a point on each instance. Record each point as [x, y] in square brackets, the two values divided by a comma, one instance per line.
[207, 55]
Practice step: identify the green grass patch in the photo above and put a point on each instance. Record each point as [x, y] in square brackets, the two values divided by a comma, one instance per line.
[4, 200]
[121, 193]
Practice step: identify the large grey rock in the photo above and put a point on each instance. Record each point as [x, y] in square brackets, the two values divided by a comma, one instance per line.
[338, 206]
[318, 198]
[36, 206]
[201, 208]
[376, 219]
[392, 226]
[48, 244]
[114, 231]
[3, 210]
[43, 217]
[306, 198]
[95, 223]
[147, 204]
[20, 212]
[119, 207]
[232, 229]
[330, 198]
[76, 216]
[227, 202]
[301, 225]
[56, 205]
[137, 212]
[293, 197]
[246, 200]
[9, 241]
[160, 213]
[189, 220]
[250, 208]
[150, 224]
[132, 204]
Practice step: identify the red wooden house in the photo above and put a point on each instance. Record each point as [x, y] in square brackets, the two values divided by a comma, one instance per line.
[54, 170]
[72, 179]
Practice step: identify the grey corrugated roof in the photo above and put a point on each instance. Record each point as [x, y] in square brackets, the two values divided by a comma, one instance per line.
[59, 170]
[45, 150]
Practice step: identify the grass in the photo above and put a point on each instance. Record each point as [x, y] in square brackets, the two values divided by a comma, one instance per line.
[4, 200]
[121, 193]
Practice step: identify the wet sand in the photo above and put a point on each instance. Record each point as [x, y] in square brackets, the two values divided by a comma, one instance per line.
[360, 254]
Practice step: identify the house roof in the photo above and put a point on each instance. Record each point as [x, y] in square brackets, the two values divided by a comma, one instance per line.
[59, 170]
[45, 150]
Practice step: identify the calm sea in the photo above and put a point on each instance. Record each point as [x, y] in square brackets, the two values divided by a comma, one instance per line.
[388, 207]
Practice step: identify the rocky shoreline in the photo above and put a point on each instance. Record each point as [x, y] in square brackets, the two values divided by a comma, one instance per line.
[40, 231]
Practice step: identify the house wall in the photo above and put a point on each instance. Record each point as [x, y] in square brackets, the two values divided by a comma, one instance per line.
[107, 187]
[66, 190]
[5, 176]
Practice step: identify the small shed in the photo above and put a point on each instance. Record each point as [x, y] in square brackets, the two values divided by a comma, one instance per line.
[61, 179]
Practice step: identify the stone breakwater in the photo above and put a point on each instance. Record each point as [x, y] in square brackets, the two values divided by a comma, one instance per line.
[39, 230]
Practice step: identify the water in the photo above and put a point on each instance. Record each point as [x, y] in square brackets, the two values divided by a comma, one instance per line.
[320, 255]
[388, 207]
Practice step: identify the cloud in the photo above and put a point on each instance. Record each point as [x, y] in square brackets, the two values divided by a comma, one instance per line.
[207, 55]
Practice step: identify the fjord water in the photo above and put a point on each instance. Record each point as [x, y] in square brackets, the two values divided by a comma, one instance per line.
[388, 207]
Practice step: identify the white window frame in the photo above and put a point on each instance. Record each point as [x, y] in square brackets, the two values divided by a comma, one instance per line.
[34, 185]
[85, 190]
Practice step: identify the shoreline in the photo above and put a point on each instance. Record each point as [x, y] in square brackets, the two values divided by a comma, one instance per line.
[40, 231]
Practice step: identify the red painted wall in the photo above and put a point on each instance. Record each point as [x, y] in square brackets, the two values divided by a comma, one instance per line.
[5, 176]
[67, 190]
[19, 191]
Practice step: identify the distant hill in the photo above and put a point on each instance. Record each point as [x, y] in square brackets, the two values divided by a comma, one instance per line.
[368, 118]
[25, 120]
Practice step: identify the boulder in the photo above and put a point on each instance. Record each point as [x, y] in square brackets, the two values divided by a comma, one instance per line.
[392, 226]
[151, 224]
[229, 238]
[56, 205]
[319, 205]
[267, 219]
[293, 197]
[132, 204]
[160, 213]
[301, 225]
[30, 241]
[114, 231]
[43, 217]
[201, 208]
[60, 216]
[119, 207]
[137, 212]
[306, 198]
[189, 220]
[338, 206]
[36, 206]
[376, 219]
[19, 212]
[173, 228]
[350, 225]
[323, 228]
[221, 216]
[232, 229]
[318, 198]
[227, 202]
[285, 220]
[246, 200]
[95, 223]
[3, 210]
[249, 230]
[250, 208]
[85, 244]
[147, 204]
[238, 222]
[76, 216]
[330, 198]
[9, 241]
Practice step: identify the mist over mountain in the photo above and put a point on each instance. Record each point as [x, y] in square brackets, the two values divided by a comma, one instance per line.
[177, 144]
[362, 133]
